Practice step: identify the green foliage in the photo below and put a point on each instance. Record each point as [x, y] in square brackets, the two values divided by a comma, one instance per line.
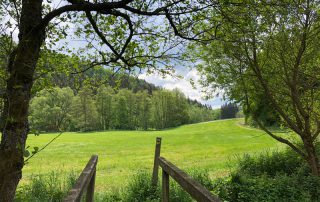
[51, 110]
[228, 110]
[266, 53]
[63, 70]
[276, 176]
[59, 109]
[104, 106]
[268, 60]
[98, 99]
[112, 196]
[52, 187]
[280, 188]
[140, 189]
[84, 111]
[121, 113]
[271, 164]
[170, 109]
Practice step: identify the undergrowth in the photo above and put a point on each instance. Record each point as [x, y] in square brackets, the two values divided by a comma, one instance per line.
[271, 176]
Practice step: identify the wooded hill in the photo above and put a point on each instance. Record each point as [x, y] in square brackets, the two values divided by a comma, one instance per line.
[111, 101]
[69, 95]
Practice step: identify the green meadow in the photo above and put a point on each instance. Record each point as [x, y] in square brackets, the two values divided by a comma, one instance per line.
[213, 146]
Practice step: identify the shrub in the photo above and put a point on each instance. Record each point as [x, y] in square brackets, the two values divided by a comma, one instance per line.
[271, 176]
[52, 187]
[141, 190]
[270, 163]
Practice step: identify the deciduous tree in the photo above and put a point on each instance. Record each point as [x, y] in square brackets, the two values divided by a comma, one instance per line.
[270, 50]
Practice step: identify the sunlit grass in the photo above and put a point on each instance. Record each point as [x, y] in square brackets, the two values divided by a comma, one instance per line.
[211, 146]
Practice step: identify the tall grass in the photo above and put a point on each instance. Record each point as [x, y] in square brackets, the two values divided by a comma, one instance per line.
[53, 188]
[141, 190]
[270, 176]
[42, 188]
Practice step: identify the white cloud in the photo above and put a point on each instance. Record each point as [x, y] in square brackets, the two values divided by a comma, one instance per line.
[183, 84]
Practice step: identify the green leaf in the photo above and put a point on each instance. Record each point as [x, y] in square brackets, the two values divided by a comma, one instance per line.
[26, 153]
[35, 150]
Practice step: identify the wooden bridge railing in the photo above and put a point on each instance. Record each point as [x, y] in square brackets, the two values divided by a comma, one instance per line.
[195, 189]
[85, 183]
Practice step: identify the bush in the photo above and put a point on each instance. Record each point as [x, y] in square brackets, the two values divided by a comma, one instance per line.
[270, 164]
[263, 188]
[140, 189]
[52, 187]
[276, 176]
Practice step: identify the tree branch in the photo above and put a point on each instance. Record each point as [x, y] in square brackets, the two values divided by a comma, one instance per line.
[81, 6]
[45, 146]
[280, 139]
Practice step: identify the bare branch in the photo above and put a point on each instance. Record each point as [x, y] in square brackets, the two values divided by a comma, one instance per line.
[45, 146]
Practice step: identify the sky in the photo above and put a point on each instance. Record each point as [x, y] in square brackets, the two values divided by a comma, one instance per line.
[168, 82]
[183, 84]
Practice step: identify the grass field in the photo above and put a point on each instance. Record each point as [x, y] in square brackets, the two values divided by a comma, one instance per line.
[211, 146]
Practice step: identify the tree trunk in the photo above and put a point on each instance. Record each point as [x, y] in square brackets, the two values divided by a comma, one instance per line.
[18, 94]
[312, 157]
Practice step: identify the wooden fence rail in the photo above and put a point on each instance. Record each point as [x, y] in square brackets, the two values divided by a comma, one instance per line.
[195, 189]
[85, 183]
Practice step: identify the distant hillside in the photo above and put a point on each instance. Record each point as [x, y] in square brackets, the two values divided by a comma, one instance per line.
[99, 99]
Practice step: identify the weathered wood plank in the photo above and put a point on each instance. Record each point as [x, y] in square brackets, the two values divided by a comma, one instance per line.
[90, 190]
[155, 172]
[83, 181]
[165, 186]
[195, 189]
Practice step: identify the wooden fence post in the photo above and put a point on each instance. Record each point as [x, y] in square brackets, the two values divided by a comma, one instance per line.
[165, 186]
[156, 162]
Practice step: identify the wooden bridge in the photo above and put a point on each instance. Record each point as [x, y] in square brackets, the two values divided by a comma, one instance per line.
[84, 186]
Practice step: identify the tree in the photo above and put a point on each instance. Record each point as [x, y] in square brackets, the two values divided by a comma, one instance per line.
[121, 113]
[104, 106]
[177, 109]
[127, 40]
[228, 110]
[159, 109]
[144, 110]
[84, 111]
[270, 50]
[50, 110]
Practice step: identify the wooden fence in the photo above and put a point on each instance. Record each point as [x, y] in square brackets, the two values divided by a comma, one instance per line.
[195, 189]
[85, 183]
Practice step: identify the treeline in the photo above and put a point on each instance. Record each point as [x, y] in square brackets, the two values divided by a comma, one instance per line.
[63, 109]
[229, 110]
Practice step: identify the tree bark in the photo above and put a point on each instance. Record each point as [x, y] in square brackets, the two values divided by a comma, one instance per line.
[18, 94]
[312, 157]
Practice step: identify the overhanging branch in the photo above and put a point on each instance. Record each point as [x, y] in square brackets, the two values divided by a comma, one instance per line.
[280, 139]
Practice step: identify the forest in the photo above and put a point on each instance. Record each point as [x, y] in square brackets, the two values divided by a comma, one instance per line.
[59, 109]
[99, 99]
